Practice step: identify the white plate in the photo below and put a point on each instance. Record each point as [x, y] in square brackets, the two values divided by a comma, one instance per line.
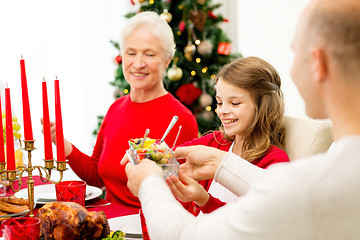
[127, 224]
[46, 193]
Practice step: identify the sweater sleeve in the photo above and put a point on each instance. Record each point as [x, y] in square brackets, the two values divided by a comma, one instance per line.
[212, 204]
[86, 167]
[234, 169]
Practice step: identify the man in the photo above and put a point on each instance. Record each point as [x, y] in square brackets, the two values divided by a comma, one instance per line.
[313, 198]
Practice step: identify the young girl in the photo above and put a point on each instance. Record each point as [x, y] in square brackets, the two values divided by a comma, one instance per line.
[251, 108]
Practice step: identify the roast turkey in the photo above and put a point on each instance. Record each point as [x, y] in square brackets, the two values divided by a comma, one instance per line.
[71, 221]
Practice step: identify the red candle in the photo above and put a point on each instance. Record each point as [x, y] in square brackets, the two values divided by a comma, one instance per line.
[46, 124]
[25, 100]
[2, 152]
[60, 152]
[10, 154]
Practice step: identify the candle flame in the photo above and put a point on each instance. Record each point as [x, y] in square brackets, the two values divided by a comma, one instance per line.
[7, 85]
[22, 56]
[43, 78]
[56, 77]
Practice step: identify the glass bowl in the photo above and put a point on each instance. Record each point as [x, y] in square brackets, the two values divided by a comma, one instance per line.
[163, 156]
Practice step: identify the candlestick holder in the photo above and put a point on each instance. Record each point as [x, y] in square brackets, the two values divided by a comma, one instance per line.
[9, 177]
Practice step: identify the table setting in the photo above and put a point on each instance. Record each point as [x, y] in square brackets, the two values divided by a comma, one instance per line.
[59, 208]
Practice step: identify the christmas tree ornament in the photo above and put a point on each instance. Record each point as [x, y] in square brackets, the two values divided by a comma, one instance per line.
[174, 73]
[207, 115]
[198, 17]
[166, 15]
[212, 15]
[224, 48]
[201, 2]
[182, 26]
[205, 47]
[205, 99]
[188, 93]
[189, 51]
[118, 59]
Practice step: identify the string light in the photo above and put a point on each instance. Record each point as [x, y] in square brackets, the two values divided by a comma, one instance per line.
[193, 73]
[208, 108]
[204, 70]
[126, 91]
[197, 41]
[178, 33]
[198, 60]
[213, 76]
[151, 1]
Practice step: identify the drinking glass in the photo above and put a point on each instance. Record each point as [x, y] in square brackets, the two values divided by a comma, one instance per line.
[21, 228]
[71, 191]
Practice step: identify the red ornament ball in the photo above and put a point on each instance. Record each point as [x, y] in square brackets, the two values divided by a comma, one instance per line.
[118, 59]
[188, 93]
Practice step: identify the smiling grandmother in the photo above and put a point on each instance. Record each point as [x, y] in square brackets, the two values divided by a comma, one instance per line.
[147, 47]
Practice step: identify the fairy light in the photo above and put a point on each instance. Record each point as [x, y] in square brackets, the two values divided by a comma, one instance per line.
[208, 108]
[213, 76]
[197, 41]
[193, 73]
[198, 60]
[204, 70]
[151, 1]
[178, 33]
[126, 91]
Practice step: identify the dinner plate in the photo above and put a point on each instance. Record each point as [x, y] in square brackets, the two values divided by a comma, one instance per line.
[129, 224]
[46, 193]
[15, 214]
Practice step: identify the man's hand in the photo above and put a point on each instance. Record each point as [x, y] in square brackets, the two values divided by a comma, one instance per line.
[137, 173]
[202, 162]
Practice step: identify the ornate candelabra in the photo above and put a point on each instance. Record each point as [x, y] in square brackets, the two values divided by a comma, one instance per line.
[9, 177]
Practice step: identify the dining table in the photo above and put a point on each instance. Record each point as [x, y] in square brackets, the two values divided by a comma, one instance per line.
[97, 204]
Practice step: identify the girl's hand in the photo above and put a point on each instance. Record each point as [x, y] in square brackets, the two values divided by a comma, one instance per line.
[187, 189]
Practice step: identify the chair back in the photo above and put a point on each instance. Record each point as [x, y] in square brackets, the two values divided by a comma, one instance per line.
[305, 137]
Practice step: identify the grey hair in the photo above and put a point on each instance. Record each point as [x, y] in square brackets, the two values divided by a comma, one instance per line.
[158, 26]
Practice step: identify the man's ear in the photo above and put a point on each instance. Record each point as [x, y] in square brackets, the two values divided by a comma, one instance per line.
[319, 65]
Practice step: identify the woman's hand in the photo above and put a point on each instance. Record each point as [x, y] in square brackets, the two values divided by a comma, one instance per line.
[187, 189]
[67, 145]
[137, 173]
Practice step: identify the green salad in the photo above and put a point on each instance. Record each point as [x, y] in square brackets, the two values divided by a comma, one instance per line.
[117, 235]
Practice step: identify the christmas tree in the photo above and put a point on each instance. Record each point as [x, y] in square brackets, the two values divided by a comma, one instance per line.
[201, 49]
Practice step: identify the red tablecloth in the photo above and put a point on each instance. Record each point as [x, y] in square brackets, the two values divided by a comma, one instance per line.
[111, 211]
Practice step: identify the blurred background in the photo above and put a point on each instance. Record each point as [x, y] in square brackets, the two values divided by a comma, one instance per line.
[71, 40]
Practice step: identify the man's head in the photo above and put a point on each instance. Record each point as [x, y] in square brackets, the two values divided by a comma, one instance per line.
[326, 46]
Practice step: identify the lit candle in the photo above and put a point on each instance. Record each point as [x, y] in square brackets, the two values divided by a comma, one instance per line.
[10, 154]
[46, 124]
[25, 100]
[2, 152]
[60, 149]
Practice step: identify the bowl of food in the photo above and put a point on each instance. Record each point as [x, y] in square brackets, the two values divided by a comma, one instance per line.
[154, 150]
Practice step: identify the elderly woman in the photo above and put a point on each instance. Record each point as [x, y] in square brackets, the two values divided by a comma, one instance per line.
[147, 47]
